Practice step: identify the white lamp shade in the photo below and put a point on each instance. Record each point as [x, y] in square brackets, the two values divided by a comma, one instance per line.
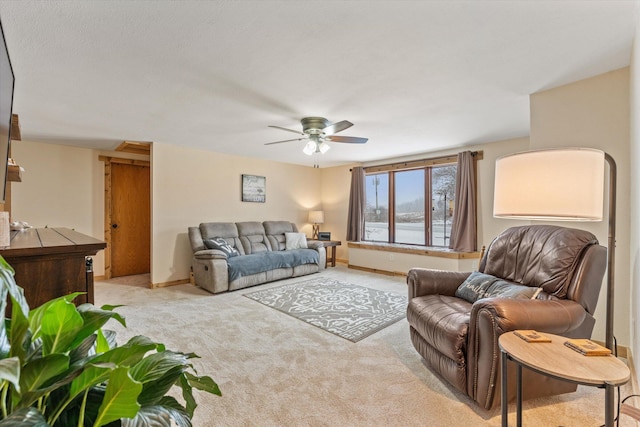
[323, 147]
[557, 184]
[316, 217]
[309, 148]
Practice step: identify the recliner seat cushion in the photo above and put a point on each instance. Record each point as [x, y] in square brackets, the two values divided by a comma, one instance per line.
[442, 321]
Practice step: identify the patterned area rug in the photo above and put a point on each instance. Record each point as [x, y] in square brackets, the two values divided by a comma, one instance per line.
[349, 311]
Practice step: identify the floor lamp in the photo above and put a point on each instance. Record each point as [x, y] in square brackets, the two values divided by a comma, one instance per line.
[564, 184]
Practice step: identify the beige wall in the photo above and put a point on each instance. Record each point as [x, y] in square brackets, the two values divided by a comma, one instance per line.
[61, 187]
[634, 200]
[193, 186]
[594, 113]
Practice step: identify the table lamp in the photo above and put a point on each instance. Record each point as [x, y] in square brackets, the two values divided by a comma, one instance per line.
[316, 218]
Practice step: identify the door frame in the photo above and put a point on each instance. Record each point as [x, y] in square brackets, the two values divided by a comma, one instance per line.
[108, 211]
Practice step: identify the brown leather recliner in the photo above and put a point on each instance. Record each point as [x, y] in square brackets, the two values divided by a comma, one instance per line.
[458, 338]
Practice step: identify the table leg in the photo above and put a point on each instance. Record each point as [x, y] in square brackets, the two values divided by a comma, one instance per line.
[518, 395]
[609, 403]
[504, 404]
[333, 256]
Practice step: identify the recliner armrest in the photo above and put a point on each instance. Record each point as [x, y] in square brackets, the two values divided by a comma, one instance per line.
[210, 254]
[557, 316]
[490, 317]
[423, 281]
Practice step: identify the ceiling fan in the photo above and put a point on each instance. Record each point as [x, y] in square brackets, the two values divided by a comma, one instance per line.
[318, 130]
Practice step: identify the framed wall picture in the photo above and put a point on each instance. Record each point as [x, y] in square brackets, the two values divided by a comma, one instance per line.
[254, 188]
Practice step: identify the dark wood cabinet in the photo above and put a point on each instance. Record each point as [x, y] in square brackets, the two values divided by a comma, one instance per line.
[52, 262]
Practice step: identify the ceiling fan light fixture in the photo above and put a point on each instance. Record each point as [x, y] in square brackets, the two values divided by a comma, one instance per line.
[323, 147]
[309, 148]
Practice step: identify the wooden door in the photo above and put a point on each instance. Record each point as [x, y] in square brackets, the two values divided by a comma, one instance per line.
[130, 219]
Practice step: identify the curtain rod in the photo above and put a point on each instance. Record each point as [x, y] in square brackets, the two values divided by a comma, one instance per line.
[473, 153]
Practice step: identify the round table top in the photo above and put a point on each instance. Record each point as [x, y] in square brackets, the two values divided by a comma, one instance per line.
[556, 359]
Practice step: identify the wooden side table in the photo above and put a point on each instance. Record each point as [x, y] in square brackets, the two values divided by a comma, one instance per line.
[330, 244]
[556, 360]
[52, 262]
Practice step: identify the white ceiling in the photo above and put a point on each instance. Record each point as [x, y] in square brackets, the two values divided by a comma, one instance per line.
[413, 76]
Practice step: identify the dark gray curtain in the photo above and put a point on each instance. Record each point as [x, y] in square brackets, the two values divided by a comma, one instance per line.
[355, 221]
[463, 229]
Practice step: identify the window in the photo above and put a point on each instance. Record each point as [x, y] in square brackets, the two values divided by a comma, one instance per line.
[412, 206]
[376, 214]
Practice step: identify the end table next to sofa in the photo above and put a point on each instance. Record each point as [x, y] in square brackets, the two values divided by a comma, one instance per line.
[329, 244]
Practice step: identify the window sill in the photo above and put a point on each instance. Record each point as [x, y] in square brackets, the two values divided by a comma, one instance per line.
[414, 250]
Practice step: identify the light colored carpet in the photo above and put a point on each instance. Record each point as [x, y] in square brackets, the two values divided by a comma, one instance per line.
[274, 370]
[349, 311]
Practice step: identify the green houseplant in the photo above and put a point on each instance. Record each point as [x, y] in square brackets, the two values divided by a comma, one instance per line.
[58, 367]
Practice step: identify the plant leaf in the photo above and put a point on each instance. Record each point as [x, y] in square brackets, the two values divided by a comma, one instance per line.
[38, 371]
[10, 371]
[61, 322]
[120, 398]
[9, 284]
[91, 375]
[27, 417]
[94, 319]
[204, 383]
[102, 345]
[156, 365]
[35, 315]
[158, 416]
[153, 391]
[82, 351]
[187, 394]
[18, 332]
[111, 337]
[129, 354]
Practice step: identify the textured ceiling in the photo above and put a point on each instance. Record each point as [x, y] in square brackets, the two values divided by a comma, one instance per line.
[413, 76]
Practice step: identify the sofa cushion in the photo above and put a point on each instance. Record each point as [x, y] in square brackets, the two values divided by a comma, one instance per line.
[295, 241]
[222, 245]
[479, 285]
[253, 237]
[275, 233]
[226, 230]
[266, 261]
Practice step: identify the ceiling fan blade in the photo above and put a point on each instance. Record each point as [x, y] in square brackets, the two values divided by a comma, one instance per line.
[349, 139]
[337, 127]
[288, 130]
[286, 140]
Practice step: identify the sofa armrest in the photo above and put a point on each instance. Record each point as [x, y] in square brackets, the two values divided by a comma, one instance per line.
[210, 254]
[314, 244]
[422, 281]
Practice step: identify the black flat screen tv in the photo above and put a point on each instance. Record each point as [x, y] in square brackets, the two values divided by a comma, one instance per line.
[7, 81]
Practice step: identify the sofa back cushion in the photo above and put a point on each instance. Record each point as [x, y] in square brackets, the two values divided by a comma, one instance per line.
[253, 237]
[276, 230]
[227, 230]
[543, 256]
[222, 245]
